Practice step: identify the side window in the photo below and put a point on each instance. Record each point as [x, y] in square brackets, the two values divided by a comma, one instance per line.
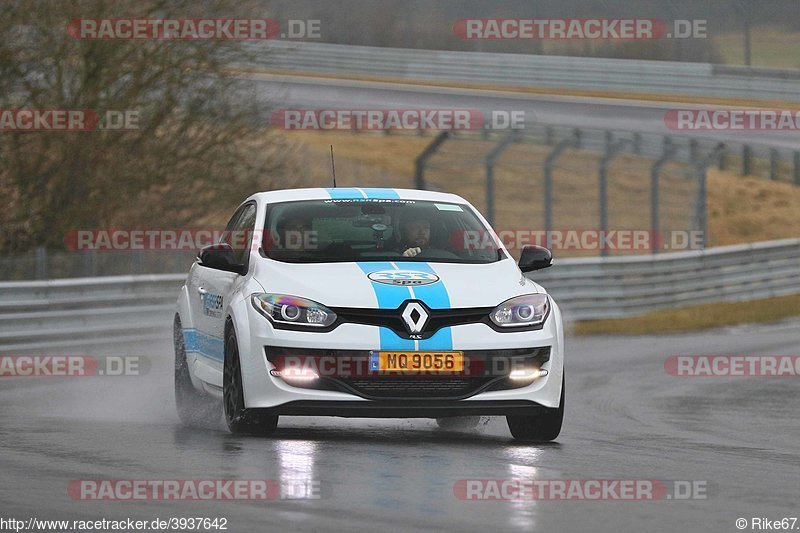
[239, 232]
[232, 224]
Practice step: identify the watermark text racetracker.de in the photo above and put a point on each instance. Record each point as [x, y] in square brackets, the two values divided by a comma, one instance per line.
[733, 366]
[522, 489]
[165, 239]
[192, 489]
[604, 29]
[140, 29]
[575, 239]
[37, 366]
[302, 367]
[67, 120]
[397, 119]
[184, 239]
[732, 119]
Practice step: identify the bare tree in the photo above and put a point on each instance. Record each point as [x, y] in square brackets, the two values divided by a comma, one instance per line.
[201, 143]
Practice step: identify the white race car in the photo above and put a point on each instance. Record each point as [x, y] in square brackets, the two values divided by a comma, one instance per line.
[366, 302]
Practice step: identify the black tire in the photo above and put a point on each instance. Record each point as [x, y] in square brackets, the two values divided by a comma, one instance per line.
[541, 427]
[195, 408]
[240, 420]
[456, 423]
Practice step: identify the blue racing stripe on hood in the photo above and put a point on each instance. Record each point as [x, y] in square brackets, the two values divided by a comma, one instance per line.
[389, 296]
[340, 193]
[435, 296]
[381, 194]
[441, 340]
[390, 341]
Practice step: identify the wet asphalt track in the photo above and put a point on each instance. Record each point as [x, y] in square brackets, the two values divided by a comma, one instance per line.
[626, 418]
[581, 112]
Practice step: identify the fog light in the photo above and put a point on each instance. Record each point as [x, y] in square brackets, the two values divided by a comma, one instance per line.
[521, 374]
[295, 374]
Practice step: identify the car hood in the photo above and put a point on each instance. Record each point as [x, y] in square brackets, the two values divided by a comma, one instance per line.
[355, 285]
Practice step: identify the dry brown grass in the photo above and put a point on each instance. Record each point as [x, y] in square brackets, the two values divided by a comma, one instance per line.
[740, 208]
[375, 152]
[749, 209]
[695, 318]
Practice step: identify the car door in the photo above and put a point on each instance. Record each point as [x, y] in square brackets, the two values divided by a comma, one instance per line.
[211, 291]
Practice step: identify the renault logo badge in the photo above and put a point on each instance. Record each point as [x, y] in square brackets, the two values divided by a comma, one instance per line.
[415, 317]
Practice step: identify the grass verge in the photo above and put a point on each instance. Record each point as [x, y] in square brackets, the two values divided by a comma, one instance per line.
[695, 318]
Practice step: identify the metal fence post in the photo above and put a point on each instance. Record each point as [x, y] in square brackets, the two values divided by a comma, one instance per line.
[773, 164]
[422, 158]
[701, 204]
[490, 160]
[655, 170]
[549, 163]
[747, 160]
[549, 135]
[693, 145]
[41, 262]
[797, 168]
[612, 150]
[702, 209]
[139, 261]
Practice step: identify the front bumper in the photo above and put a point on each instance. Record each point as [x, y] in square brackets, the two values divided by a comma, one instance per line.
[266, 391]
[405, 409]
[349, 371]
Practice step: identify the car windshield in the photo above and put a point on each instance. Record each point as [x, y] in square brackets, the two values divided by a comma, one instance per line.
[360, 229]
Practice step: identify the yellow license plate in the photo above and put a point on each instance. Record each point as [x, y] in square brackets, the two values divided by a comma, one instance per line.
[417, 361]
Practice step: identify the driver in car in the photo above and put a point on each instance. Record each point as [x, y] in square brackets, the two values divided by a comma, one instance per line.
[294, 232]
[415, 236]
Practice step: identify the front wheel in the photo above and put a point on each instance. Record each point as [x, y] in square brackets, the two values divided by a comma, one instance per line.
[541, 427]
[239, 419]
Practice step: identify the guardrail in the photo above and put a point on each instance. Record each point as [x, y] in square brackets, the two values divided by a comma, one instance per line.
[630, 76]
[64, 313]
[59, 314]
[614, 287]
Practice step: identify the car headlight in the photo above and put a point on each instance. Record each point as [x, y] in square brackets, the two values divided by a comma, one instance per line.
[283, 309]
[528, 310]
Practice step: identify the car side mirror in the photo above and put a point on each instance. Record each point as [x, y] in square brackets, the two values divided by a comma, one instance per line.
[221, 257]
[535, 258]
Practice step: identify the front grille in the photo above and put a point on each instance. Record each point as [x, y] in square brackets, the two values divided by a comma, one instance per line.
[377, 386]
[384, 387]
[391, 318]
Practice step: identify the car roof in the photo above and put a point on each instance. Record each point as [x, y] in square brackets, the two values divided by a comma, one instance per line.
[320, 193]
